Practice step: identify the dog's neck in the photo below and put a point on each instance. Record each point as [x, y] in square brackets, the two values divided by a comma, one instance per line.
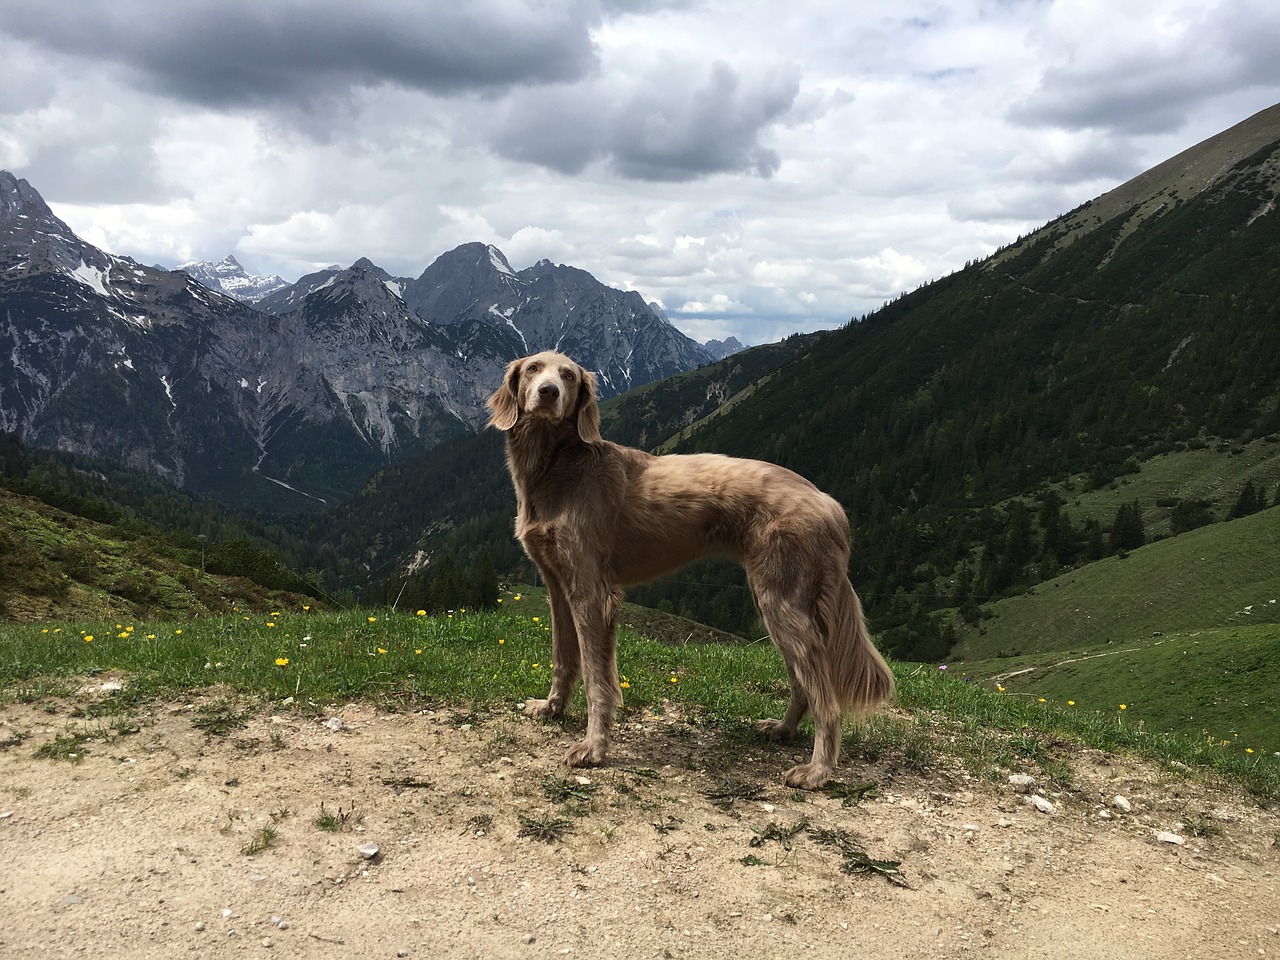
[534, 445]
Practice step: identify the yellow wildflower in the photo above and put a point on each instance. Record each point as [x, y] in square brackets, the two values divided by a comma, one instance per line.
[422, 613]
[380, 650]
[88, 638]
[1071, 703]
[282, 661]
[373, 619]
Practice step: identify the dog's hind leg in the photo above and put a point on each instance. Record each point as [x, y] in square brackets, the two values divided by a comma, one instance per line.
[596, 617]
[566, 663]
[799, 638]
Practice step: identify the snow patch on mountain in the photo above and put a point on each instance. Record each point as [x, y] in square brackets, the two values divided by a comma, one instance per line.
[93, 278]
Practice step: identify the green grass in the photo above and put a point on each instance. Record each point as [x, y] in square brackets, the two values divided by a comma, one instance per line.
[478, 662]
[1218, 684]
[1225, 574]
[56, 564]
[1216, 473]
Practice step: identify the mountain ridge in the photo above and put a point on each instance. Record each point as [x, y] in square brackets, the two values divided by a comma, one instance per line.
[295, 399]
[229, 277]
[953, 422]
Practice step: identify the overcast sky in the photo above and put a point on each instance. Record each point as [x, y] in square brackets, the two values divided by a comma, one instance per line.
[756, 167]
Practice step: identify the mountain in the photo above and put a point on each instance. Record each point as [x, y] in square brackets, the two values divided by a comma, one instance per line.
[1146, 321]
[613, 332]
[719, 349]
[960, 424]
[292, 401]
[227, 276]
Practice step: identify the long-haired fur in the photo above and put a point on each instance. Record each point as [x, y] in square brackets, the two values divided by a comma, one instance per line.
[596, 517]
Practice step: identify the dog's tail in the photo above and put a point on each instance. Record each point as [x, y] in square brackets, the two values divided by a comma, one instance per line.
[860, 677]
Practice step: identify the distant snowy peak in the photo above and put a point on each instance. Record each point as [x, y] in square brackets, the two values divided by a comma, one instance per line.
[229, 277]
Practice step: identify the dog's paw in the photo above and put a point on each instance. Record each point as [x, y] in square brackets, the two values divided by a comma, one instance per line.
[543, 709]
[774, 729]
[807, 776]
[587, 753]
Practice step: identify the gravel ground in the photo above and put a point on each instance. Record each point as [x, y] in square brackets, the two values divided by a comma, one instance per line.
[678, 849]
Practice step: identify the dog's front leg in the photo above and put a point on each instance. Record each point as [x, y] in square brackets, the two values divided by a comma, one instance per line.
[596, 615]
[565, 656]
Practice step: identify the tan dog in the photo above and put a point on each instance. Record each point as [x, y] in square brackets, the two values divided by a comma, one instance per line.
[596, 517]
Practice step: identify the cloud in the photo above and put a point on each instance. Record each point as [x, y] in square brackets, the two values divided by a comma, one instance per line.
[301, 54]
[678, 121]
[1141, 68]
[771, 167]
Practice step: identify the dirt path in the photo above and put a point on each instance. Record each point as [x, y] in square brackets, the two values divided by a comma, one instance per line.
[139, 850]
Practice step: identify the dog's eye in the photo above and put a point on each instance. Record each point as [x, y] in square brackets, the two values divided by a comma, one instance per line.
[532, 368]
[568, 376]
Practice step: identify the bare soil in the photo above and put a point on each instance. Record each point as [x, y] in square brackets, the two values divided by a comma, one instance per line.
[141, 849]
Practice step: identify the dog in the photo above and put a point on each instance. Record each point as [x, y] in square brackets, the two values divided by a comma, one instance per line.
[596, 517]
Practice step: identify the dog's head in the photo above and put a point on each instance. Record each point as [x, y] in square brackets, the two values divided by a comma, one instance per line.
[550, 387]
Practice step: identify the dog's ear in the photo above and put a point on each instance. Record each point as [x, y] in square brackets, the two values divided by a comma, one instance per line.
[588, 409]
[504, 403]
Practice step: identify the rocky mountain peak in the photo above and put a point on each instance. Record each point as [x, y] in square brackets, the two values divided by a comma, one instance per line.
[34, 240]
[19, 199]
[719, 349]
[229, 277]
[297, 395]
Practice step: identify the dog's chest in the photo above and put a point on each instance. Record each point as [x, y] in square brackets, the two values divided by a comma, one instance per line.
[542, 540]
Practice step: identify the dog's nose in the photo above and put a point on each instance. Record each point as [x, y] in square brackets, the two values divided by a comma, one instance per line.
[549, 391]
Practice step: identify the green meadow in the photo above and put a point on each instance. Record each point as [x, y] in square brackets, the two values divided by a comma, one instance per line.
[305, 660]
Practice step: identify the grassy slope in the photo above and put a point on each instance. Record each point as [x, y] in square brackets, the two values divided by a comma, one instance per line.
[1225, 574]
[1218, 683]
[1215, 473]
[54, 565]
[1185, 632]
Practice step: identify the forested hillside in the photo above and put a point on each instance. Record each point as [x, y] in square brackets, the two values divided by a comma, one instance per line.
[1022, 417]
[957, 423]
[81, 539]
[940, 420]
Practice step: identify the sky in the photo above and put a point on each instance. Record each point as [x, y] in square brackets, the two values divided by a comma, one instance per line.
[756, 167]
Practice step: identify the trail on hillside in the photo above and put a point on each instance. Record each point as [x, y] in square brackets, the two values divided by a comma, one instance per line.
[1000, 677]
[687, 845]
